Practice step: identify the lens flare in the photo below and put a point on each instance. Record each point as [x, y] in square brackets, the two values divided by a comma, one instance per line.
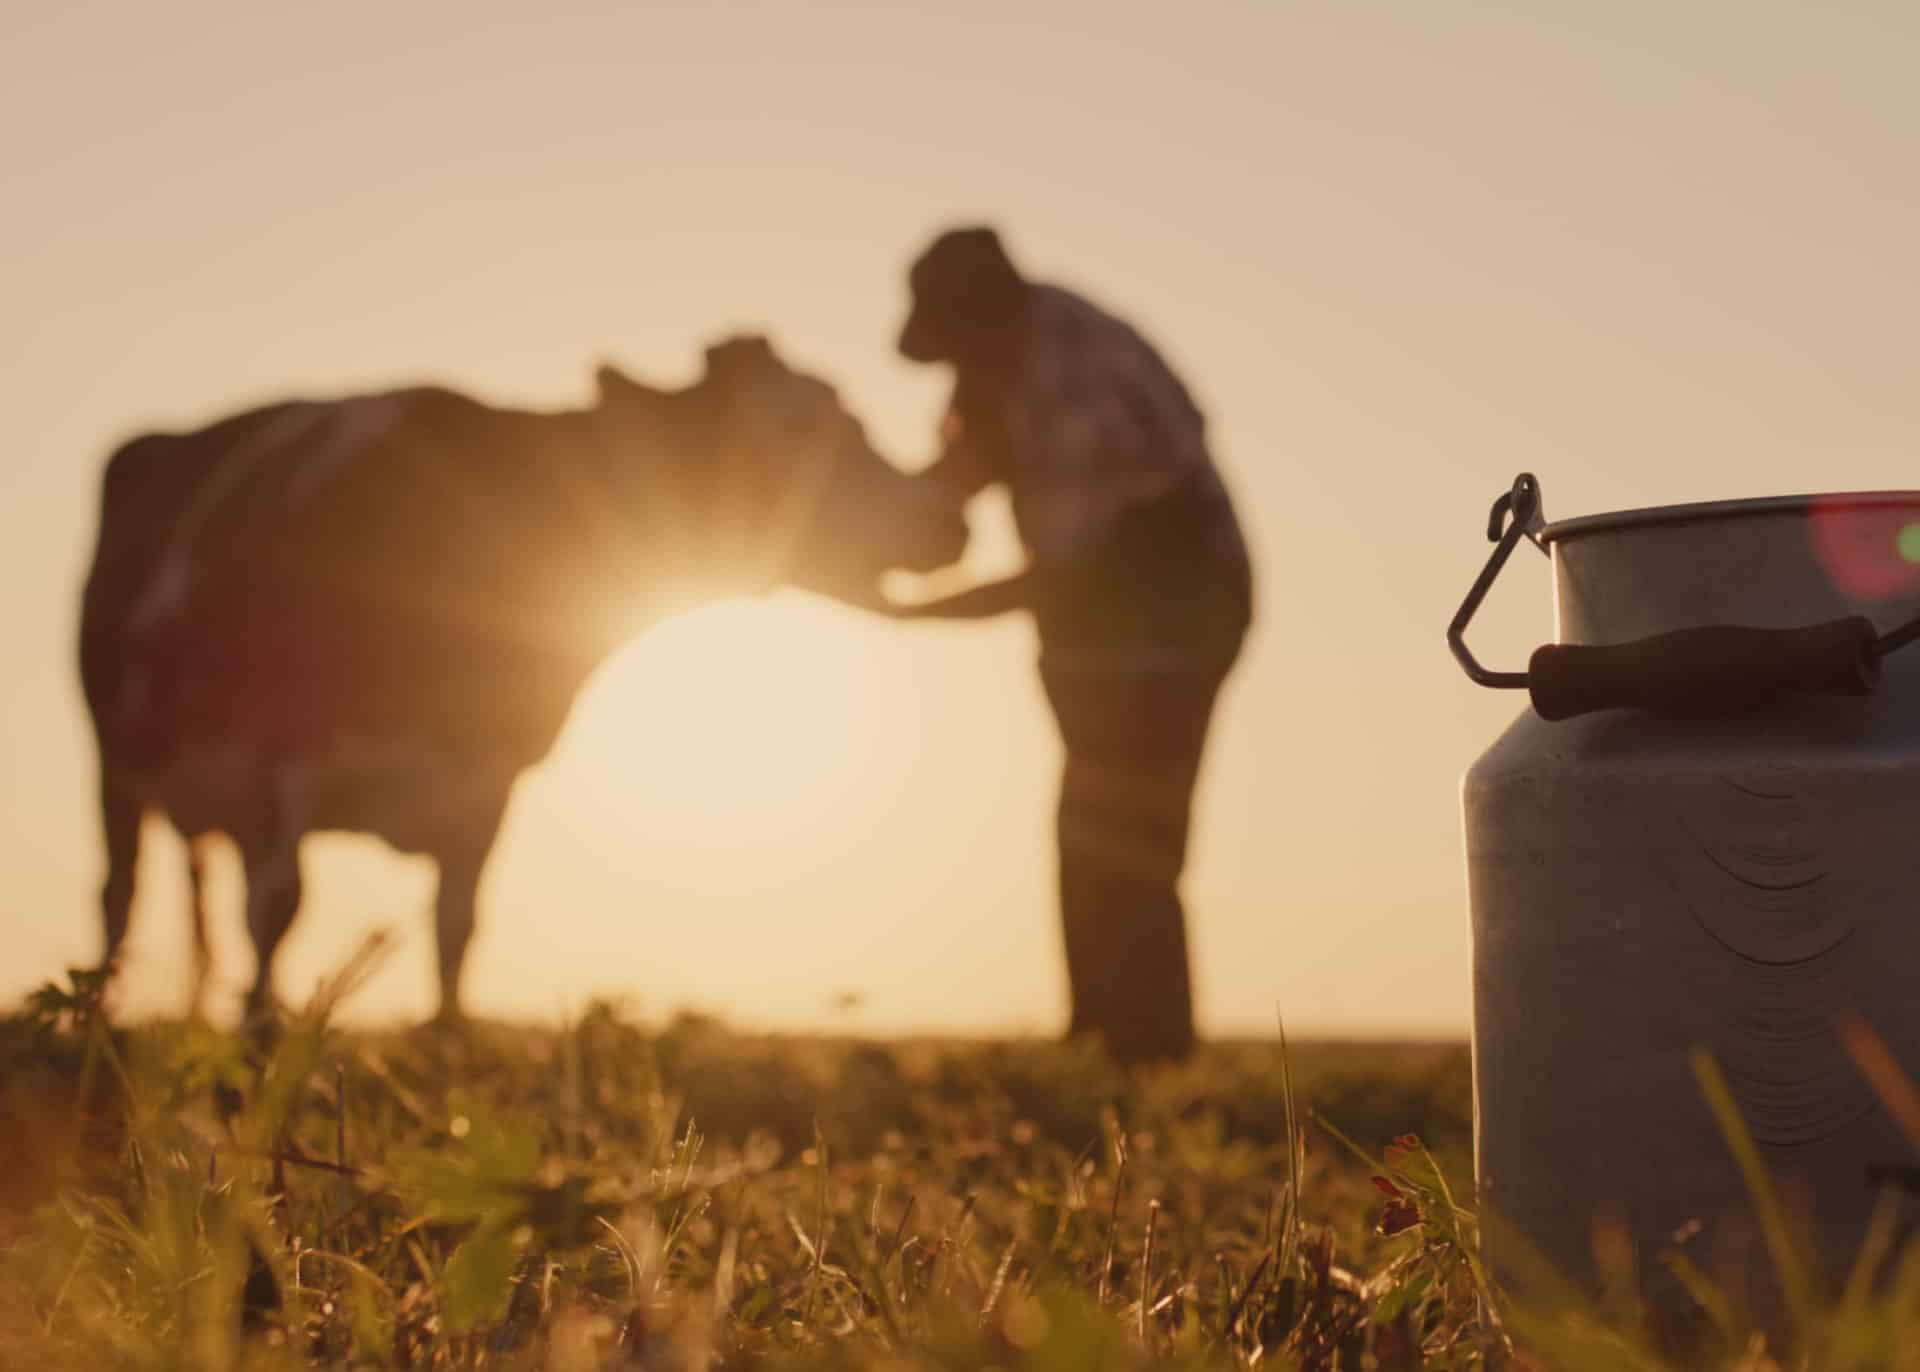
[1869, 552]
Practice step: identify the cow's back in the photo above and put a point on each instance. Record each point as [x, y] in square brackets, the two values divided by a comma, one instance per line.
[148, 485]
[307, 568]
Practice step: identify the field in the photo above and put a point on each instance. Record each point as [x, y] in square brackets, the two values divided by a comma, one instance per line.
[605, 1195]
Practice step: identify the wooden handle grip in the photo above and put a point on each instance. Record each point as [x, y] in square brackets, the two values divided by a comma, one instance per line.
[1694, 673]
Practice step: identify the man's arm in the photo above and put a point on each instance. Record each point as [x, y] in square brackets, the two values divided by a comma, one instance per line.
[984, 601]
[965, 466]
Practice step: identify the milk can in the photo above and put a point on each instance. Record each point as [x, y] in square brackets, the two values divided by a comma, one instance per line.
[1704, 834]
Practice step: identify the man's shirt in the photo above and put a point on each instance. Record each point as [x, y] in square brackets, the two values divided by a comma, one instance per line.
[1089, 425]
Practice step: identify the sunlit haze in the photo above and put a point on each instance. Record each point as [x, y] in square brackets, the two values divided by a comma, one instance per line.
[1653, 252]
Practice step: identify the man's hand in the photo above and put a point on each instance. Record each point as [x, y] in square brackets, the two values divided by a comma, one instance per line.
[984, 601]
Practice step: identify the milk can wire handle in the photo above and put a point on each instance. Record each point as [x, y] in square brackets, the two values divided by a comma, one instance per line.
[1710, 670]
[1518, 513]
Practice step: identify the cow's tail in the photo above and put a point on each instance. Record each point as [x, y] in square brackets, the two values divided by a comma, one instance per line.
[125, 546]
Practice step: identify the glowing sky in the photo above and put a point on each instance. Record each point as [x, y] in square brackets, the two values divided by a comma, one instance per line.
[1653, 252]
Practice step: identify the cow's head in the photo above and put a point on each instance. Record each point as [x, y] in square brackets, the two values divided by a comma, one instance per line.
[775, 482]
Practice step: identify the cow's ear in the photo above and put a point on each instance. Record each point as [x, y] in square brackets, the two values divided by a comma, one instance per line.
[613, 383]
[744, 355]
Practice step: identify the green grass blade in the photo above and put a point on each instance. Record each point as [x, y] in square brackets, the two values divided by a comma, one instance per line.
[1794, 1282]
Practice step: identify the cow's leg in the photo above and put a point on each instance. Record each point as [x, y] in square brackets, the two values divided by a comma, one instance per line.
[120, 815]
[270, 851]
[462, 857]
[198, 847]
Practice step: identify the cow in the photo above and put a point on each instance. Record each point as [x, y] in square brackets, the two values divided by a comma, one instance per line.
[370, 614]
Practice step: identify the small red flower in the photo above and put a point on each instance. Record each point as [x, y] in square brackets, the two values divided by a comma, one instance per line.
[1398, 1217]
[1402, 1148]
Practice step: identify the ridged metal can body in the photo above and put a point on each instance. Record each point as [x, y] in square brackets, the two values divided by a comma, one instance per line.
[1643, 887]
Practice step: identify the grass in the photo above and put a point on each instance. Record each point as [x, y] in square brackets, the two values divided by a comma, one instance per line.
[605, 1195]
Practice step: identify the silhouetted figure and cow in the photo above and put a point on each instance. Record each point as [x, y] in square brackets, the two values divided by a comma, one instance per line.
[371, 614]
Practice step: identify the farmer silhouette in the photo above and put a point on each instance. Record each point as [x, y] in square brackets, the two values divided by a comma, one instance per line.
[1139, 584]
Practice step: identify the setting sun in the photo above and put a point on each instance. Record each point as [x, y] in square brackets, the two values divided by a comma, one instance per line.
[739, 721]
